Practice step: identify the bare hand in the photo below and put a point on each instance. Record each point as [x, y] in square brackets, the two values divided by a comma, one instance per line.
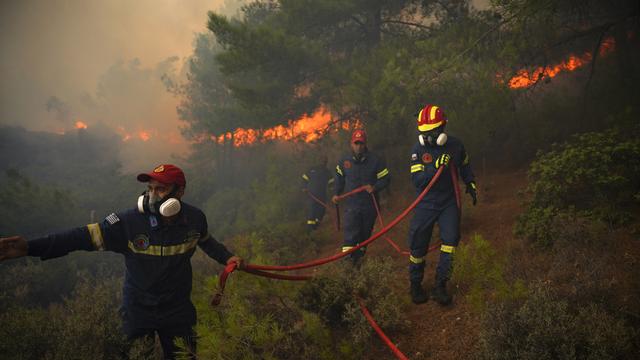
[238, 260]
[13, 247]
[335, 199]
[369, 188]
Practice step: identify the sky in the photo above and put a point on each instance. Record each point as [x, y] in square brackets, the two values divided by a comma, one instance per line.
[100, 62]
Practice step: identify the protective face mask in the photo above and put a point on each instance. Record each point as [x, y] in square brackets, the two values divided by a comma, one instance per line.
[433, 138]
[167, 206]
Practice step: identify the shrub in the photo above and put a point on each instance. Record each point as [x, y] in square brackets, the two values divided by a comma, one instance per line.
[480, 270]
[591, 178]
[332, 296]
[542, 326]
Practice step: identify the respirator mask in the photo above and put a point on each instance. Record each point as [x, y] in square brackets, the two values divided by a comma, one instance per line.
[433, 137]
[167, 206]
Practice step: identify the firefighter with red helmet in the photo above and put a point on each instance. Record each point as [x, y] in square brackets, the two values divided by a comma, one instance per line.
[359, 168]
[157, 239]
[433, 150]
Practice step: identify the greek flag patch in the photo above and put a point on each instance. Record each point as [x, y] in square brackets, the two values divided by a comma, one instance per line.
[112, 219]
[414, 157]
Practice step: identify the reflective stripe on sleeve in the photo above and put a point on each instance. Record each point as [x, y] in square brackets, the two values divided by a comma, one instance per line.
[466, 159]
[416, 260]
[347, 248]
[304, 176]
[96, 236]
[447, 249]
[416, 168]
[339, 171]
[383, 173]
[157, 250]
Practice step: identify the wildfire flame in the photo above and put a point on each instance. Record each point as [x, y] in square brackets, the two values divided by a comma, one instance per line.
[524, 79]
[144, 135]
[306, 128]
[81, 125]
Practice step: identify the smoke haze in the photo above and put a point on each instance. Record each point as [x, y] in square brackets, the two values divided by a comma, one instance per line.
[75, 63]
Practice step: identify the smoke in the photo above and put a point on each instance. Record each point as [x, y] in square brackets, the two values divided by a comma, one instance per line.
[59, 108]
[101, 62]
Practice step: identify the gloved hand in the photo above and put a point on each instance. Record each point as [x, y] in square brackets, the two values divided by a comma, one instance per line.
[471, 190]
[442, 160]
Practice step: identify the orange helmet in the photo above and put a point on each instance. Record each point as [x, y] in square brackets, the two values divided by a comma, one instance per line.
[430, 117]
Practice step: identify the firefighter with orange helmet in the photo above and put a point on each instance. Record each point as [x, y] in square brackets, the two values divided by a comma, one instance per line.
[435, 149]
[360, 168]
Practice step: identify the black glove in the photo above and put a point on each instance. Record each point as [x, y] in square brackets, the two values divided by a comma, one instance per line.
[471, 190]
[442, 160]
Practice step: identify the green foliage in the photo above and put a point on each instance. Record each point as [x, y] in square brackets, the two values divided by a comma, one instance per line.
[482, 272]
[47, 208]
[257, 319]
[84, 326]
[593, 177]
[544, 326]
[332, 295]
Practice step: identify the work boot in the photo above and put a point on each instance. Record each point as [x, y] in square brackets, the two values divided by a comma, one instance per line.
[440, 294]
[418, 294]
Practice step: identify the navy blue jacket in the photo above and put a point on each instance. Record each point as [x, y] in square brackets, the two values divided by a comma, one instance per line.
[352, 173]
[316, 181]
[423, 169]
[157, 256]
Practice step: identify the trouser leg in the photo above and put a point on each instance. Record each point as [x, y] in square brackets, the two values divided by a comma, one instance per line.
[449, 223]
[419, 237]
[353, 232]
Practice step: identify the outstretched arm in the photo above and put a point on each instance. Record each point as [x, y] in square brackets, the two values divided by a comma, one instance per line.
[92, 237]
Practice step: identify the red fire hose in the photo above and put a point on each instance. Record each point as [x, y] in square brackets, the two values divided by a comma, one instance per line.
[374, 237]
[258, 269]
[378, 330]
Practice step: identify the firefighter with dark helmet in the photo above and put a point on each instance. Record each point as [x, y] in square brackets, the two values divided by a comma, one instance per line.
[354, 170]
[157, 239]
[315, 182]
[434, 150]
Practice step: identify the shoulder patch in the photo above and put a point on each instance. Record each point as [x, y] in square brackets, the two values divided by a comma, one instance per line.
[427, 158]
[112, 219]
[414, 157]
[347, 164]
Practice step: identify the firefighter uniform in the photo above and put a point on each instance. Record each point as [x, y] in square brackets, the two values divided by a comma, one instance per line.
[439, 205]
[157, 285]
[359, 213]
[315, 181]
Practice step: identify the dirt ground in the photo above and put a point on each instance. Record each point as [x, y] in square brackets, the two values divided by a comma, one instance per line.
[432, 331]
[438, 332]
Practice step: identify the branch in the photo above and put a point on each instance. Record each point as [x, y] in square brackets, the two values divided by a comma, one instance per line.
[391, 21]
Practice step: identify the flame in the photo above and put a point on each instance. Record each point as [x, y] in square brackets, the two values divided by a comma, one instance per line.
[81, 125]
[524, 79]
[144, 135]
[306, 128]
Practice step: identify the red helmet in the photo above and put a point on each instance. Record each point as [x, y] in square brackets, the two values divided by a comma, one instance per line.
[431, 117]
[359, 135]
